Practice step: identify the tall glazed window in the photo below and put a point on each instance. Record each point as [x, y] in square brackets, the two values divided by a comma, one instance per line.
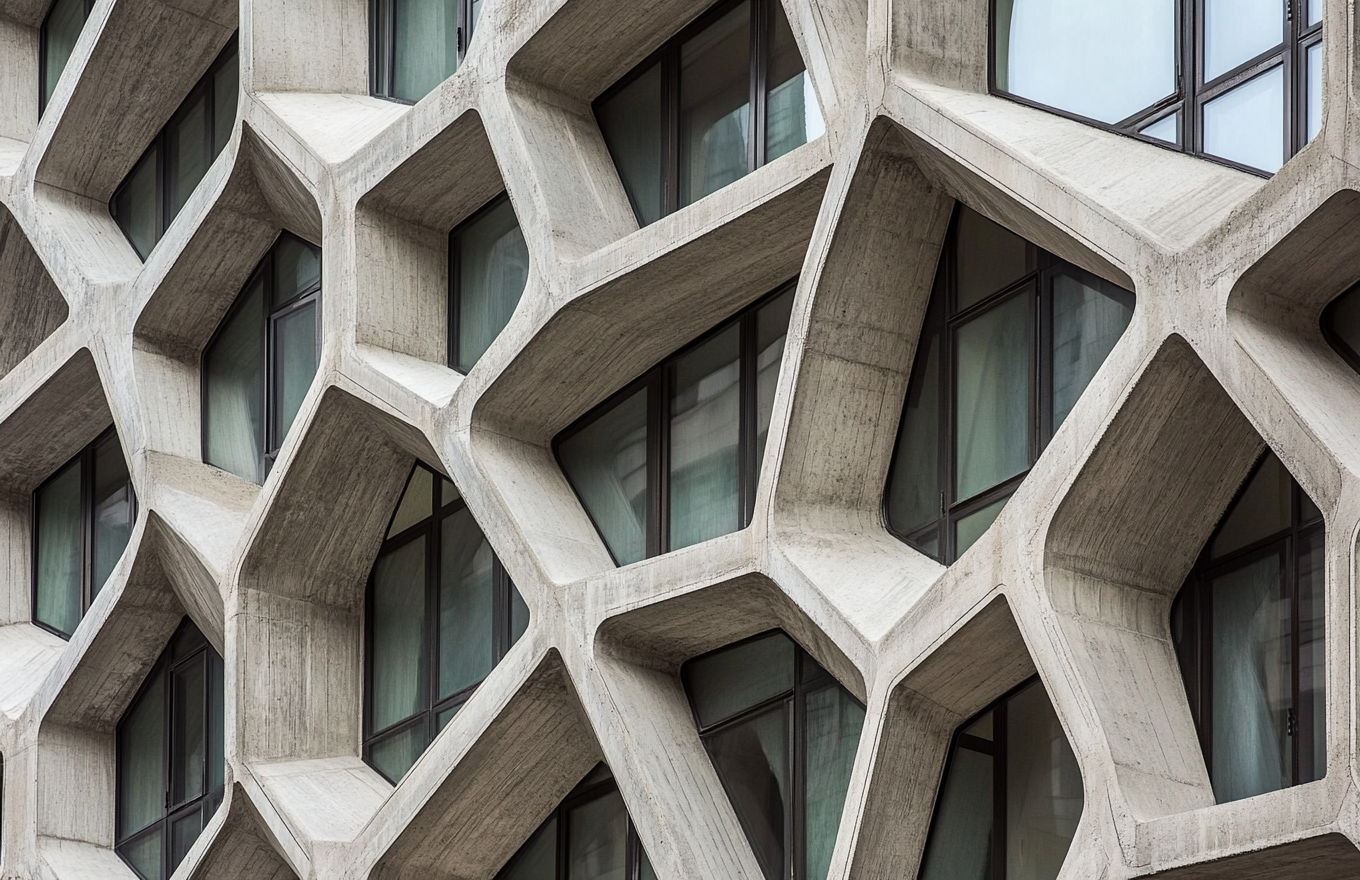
[417, 44]
[488, 271]
[56, 41]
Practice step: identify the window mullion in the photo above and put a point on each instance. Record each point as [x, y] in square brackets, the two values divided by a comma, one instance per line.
[433, 551]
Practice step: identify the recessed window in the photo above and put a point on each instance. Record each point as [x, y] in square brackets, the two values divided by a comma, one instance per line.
[673, 459]
[488, 270]
[157, 187]
[442, 612]
[782, 735]
[56, 41]
[723, 97]
[1011, 338]
[1341, 326]
[170, 756]
[1249, 632]
[1236, 81]
[1011, 798]
[590, 836]
[417, 44]
[82, 521]
[261, 360]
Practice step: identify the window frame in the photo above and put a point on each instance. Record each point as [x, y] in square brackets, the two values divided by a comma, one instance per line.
[381, 37]
[455, 264]
[430, 528]
[1326, 322]
[42, 54]
[88, 590]
[1193, 93]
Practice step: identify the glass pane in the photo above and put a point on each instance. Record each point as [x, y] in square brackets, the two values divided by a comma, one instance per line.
[134, 205]
[834, 723]
[1103, 60]
[1314, 64]
[1165, 129]
[1343, 319]
[705, 409]
[493, 269]
[188, 753]
[417, 502]
[1043, 788]
[990, 257]
[960, 844]
[444, 716]
[991, 400]
[1250, 682]
[537, 859]
[398, 634]
[971, 527]
[645, 870]
[466, 596]
[393, 755]
[58, 573]
[982, 728]
[519, 615]
[233, 365]
[448, 493]
[597, 840]
[216, 724]
[752, 760]
[425, 46]
[792, 115]
[1236, 31]
[183, 833]
[226, 84]
[141, 756]
[1314, 11]
[730, 680]
[630, 121]
[295, 358]
[187, 155]
[1246, 125]
[772, 328]
[606, 462]
[1263, 508]
[715, 105]
[60, 32]
[144, 855]
[913, 495]
[476, 13]
[114, 509]
[297, 269]
[1086, 325]
[1312, 709]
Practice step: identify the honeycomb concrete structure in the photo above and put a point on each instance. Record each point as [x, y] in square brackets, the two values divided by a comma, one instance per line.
[1074, 581]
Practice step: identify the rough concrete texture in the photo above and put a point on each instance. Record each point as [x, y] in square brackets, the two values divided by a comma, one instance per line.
[1074, 580]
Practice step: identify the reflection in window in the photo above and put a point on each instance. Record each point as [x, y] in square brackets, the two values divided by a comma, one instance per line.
[782, 734]
[82, 521]
[590, 836]
[488, 270]
[1119, 66]
[156, 188]
[261, 360]
[442, 613]
[1341, 326]
[170, 756]
[1011, 798]
[691, 430]
[56, 41]
[681, 125]
[1003, 315]
[1249, 632]
[417, 44]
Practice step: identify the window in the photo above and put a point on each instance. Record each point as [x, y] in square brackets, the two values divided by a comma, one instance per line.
[417, 44]
[1239, 81]
[673, 458]
[1011, 338]
[782, 735]
[1011, 797]
[442, 613]
[161, 182]
[261, 359]
[1249, 632]
[723, 97]
[488, 270]
[1341, 326]
[56, 41]
[170, 758]
[590, 836]
[82, 521]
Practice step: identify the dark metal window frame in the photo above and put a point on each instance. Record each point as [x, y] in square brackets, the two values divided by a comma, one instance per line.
[659, 382]
[382, 45]
[1037, 285]
[88, 588]
[273, 438]
[160, 144]
[211, 798]
[1192, 92]
[1327, 322]
[455, 274]
[668, 56]
[1194, 604]
[502, 638]
[42, 55]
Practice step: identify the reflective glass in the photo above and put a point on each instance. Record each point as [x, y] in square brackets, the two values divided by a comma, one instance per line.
[1246, 124]
[834, 723]
[295, 359]
[792, 115]
[141, 778]
[631, 124]
[913, 495]
[57, 584]
[607, 464]
[187, 154]
[444, 716]
[971, 527]
[990, 257]
[1262, 509]
[1312, 710]
[417, 502]
[476, 13]
[188, 756]
[233, 367]
[1115, 57]
[715, 105]
[1314, 11]
[537, 859]
[1342, 318]
[1043, 788]
[1165, 129]
[297, 269]
[216, 724]
[398, 628]
[466, 597]
[597, 840]
[704, 431]
[1086, 326]
[519, 615]
[733, 679]
[960, 845]
[183, 832]
[135, 205]
[113, 506]
[60, 31]
[752, 760]
[425, 46]
[992, 397]
[772, 327]
[144, 855]
[1236, 31]
[1314, 99]
[396, 753]
[493, 269]
[226, 84]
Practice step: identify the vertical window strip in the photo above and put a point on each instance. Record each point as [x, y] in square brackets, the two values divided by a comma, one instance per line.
[61, 28]
[488, 272]
[397, 36]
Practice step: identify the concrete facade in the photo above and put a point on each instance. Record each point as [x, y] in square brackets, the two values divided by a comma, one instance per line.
[1074, 580]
